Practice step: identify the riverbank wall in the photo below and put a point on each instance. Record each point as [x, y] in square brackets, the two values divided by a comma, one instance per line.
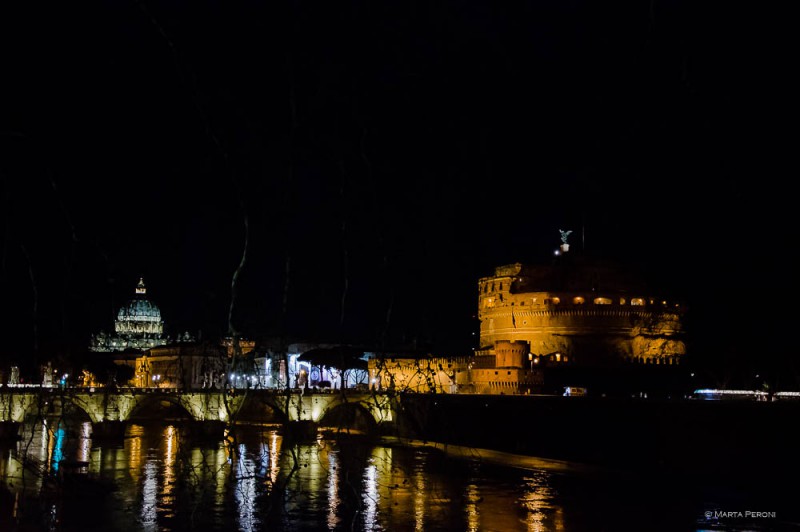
[744, 439]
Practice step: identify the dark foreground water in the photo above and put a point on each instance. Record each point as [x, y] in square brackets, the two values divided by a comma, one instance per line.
[159, 479]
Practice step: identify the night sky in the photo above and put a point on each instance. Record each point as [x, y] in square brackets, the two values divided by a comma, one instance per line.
[402, 148]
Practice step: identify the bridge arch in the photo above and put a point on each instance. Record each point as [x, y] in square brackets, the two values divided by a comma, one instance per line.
[261, 408]
[378, 408]
[159, 406]
[49, 405]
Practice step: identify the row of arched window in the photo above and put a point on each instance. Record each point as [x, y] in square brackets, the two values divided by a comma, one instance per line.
[659, 361]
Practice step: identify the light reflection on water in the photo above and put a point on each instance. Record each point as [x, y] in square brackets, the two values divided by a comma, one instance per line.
[246, 490]
[333, 493]
[165, 481]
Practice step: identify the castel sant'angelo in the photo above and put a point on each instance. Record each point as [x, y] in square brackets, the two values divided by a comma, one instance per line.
[575, 321]
[578, 311]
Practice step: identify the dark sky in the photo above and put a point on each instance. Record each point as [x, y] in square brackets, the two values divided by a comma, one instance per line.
[407, 147]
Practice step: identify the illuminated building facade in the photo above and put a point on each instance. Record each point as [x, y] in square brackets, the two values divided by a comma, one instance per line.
[138, 326]
[505, 371]
[419, 374]
[180, 366]
[273, 372]
[245, 346]
[580, 312]
[509, 369]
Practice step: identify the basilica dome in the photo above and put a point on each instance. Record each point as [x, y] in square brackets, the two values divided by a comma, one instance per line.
[139, 316]
[138, 326]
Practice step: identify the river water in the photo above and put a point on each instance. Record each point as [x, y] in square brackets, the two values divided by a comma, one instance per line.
[159, 479]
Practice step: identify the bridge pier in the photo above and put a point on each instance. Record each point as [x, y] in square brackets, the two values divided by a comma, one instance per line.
[109, 430]
[301, 430]
[207, 430]
[9, 431]
[386, 428]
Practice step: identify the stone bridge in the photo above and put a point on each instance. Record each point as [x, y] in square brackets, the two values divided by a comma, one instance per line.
[110, 410]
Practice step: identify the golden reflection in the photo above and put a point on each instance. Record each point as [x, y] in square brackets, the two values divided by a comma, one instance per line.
[5, 460]
[171, 451]
[227, 438]
[221, 467]
[395, 486]
[333, 490]
[405, 495]
[538, 499]
[96, 460]
[419, 495]
[377, 482]
[48, 444]
[135, 452]
[274, 457]
[315, 470]
[13, 469]
[382, 459]
[471, 508]
[209, 471]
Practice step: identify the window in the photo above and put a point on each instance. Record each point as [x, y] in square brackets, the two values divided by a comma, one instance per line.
[556, 301]
[622, 301]
[637, 302]
[602, 301]
[578, 300]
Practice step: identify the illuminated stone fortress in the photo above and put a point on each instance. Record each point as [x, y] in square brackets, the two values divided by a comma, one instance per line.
[578, 311]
